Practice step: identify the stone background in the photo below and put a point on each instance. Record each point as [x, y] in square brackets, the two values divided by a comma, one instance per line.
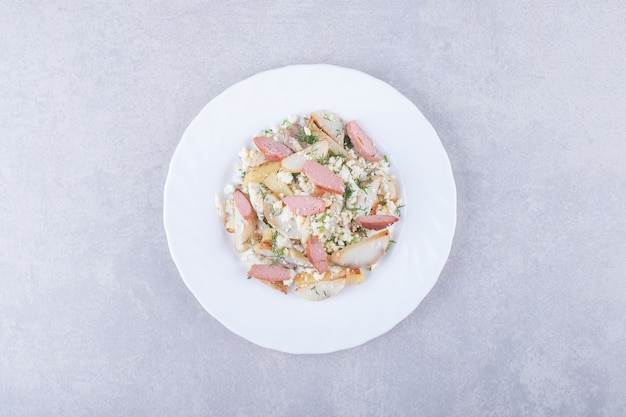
[528, 316]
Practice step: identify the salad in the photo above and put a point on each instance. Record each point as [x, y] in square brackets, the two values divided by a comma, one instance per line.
[314, 205]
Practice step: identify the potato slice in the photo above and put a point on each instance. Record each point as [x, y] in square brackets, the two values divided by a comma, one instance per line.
[314, 290]
[287, 226]
[258, 173]
[369, 196]
[318, 132]
[337, 149]
[320, 290]
[292, 257]
[333, 146]
[364, 253]
[277, 285]
[276, 185]
[229, 217]
[294, 162]
[330, 123]
[319, 150]
[243, 231]
[354, 276]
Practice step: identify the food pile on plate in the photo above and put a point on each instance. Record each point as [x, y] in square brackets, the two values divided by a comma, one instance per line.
[314, 205]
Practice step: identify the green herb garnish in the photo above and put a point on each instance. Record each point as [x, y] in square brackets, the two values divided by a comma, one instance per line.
[347, 194]
[362, 182]
[303, 137]
[278, 252]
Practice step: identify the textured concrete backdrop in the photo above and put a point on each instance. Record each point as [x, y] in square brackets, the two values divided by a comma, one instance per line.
[529, 314]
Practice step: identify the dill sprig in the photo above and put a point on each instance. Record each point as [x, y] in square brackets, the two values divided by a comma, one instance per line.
[346, 194]
[303, 137]
[277, 251]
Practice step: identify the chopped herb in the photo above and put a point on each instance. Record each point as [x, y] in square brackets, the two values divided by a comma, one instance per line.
[263, 191]
[322, 160]
[346, 194]
[274, 211]
[382, 203]
[303, 137]
[325, 295]
[268, 131]
[337, 155]
[314, 290]
[391, 242]
[249, 277]
[278, 252]
[369, 268]
[386, 160]
[362, 182]
[356, 210]
[398, 210]
[326, 117]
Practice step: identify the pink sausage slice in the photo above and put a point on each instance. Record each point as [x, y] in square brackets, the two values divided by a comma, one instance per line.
[362, 142]
[305, 205]
[316, 254]
[376, 222]
[269, 272]
[323, 177]
[272, 150]
[243, 205]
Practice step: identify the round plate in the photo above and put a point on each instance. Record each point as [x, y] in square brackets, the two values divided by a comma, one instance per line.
[202, 250]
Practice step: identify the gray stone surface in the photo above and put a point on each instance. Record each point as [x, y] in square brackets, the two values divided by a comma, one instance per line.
[529, 314]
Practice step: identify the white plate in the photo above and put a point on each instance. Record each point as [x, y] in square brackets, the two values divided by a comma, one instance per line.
[202, 250]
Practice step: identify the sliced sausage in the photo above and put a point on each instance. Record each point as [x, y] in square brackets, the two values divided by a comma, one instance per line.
[305, 205]
[270, 272]
[376, 222]
[272, 150]
[362, 142]
[317, 255]
[323, 177]
[243, 205]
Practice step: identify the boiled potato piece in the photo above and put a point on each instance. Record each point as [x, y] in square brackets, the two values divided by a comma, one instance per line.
[330, 123]
[258, 173]
[354, 276]
[319, 290]
[294, 162]
[369, 196]
[243, 231]
[319, 150]
[276, 185]
[364, 253]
